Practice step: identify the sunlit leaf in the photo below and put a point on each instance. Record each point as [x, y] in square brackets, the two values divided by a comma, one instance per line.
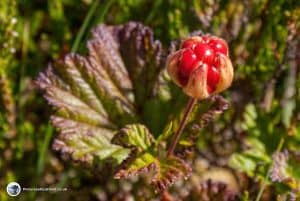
[243, 163]
[135, 136]
[83, 142]
[167, 169]
[95, 95]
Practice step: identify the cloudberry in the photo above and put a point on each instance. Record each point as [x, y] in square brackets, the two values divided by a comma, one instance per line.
[202, 66]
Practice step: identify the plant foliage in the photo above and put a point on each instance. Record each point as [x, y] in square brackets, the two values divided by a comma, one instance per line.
[95, 95]
[115, 110]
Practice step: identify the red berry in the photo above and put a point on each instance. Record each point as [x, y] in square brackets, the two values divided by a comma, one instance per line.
[213, 77]
[189, 43]
[217, 62]
[187, 63]
[182, 80]
[209, 89]
[205, 53]
[219, 46]
[206, 39]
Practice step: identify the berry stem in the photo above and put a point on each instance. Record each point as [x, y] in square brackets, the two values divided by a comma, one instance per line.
[182, 124]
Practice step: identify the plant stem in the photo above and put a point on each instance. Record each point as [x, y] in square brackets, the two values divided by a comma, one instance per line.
[103, 11]
[182, 124]
[43, 150]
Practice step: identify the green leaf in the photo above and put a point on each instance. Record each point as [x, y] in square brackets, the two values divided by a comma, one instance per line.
[263, 137]
[93, 96]
[144, 162]
[249, 159]
[145, 61]
[293, 169]
[167, 169]
[135, 135]
[256, 150]
[84, 143]
[166, 132]
[119, 83]
[242, 163]
[143, 57]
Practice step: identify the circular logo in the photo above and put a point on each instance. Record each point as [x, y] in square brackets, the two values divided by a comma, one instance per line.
[13, 189]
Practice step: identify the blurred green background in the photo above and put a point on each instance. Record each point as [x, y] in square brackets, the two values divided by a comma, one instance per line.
[263, 37]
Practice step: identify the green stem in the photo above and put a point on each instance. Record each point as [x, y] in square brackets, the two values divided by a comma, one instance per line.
[154, 11]
[182, 124]
[264, 183]
[85, 25]
[43, 150]
[104, 10]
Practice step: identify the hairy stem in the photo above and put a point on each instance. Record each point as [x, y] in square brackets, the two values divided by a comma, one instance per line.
[182, 124]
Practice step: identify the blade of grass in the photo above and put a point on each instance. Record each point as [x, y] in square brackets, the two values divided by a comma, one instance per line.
[62, 184]
[85, 24]
[43, 149]
[100, 18]
[154, 11]
[104, 9]
[264, 182]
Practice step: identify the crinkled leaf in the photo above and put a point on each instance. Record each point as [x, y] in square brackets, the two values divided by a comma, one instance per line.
[143, 57]
[136, 136]
[82, 100]
[143, 162]
[145, 60]
[95, 142]
[144, 159]
[95, 95]
[166, 170]
[119, 82]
